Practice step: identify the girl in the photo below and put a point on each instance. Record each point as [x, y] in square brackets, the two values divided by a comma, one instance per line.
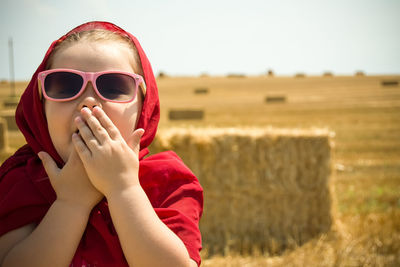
[82, 192]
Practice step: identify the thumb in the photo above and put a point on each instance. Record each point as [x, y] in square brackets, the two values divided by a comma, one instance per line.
[49, 164]
[73, 157]
[134, 140]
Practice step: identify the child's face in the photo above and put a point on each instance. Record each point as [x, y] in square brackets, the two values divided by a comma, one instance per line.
[90, 57]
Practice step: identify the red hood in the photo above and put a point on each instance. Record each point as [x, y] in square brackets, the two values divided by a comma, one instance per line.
[33, 125]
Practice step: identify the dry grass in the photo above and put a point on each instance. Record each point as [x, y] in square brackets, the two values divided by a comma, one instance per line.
[366, 119]
[359, 240]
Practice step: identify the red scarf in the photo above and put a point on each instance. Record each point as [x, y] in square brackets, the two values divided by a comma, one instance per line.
[26, 193]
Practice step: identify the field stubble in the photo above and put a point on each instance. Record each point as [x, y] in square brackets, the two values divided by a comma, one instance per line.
[366, 179]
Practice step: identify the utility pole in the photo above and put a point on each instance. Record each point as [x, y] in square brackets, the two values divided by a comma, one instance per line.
[11, 56]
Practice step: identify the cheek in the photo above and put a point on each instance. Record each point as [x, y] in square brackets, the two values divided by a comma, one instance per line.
[124, 119]
[59, 125]
[57, 116]
[51, 117]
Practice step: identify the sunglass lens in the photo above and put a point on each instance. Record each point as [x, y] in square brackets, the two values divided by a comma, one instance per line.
[116, 86]
[62, 85]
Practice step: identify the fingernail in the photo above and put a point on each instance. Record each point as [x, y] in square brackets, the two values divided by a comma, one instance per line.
[86, 109]
[40, 156]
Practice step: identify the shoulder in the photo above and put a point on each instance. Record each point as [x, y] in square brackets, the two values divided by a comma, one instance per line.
[167, 163]
[19, 159]
[163, 156]
[20, 200]
[164, 175]
[13, 170]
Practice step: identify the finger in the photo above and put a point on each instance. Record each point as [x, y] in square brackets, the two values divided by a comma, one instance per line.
[49, 164]
[74, 156]
[80, 148]
[134, 140]
[86, 134]
[106, 122]
[97, 129]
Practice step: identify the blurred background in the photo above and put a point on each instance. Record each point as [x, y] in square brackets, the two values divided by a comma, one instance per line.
[220, 37]
[293, 65]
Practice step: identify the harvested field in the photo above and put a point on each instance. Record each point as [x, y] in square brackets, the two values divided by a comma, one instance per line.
[366, 177]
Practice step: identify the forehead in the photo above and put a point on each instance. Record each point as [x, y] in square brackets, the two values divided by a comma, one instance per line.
[95, 56]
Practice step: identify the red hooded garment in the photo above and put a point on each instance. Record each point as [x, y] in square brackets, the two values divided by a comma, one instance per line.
[26, 193]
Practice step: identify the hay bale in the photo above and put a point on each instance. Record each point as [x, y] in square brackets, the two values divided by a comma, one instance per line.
[275, 99]
[300, 75]
[3, 135]
[161, 74]
[186, 114]
[11, 102]
[359, 73]
[201, 91]
[236, 75]
[389, 83]
[9, 116]
[327, 74]
[265, 190]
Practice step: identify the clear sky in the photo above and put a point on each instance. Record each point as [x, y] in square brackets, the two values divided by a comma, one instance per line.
[186, 37]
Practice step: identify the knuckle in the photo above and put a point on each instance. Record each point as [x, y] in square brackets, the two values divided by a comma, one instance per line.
[92, 142]
[113, 131]
[80, 147]
[104, 134]
[92, 120]
[86, 132]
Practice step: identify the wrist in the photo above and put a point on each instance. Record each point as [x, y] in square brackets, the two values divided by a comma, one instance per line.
[76, 207]
[122, 184]
[127, 191]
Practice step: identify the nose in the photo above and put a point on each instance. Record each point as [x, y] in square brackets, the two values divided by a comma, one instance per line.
[89, 98]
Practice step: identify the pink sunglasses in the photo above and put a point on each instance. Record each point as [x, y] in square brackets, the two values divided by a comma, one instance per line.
[68, 84]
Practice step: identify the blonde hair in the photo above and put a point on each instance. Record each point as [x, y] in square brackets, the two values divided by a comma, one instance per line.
[100, 35]
[97, 35]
